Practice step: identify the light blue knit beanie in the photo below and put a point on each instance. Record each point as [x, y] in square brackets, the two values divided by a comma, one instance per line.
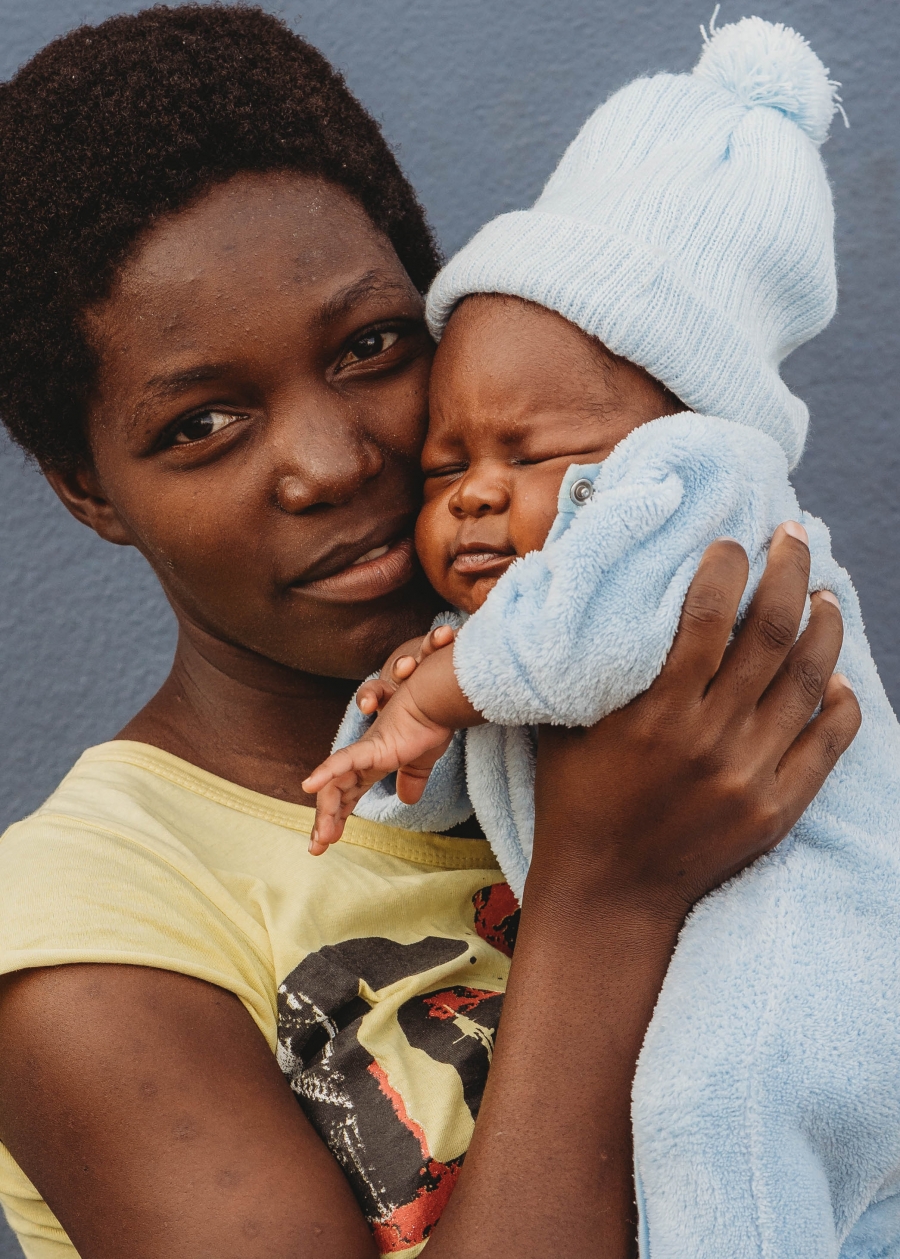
[689, 227]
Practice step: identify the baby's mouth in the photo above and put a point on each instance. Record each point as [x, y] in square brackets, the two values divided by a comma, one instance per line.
[481, 560]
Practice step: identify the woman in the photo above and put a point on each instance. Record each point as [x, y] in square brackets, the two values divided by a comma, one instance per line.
[210, 294]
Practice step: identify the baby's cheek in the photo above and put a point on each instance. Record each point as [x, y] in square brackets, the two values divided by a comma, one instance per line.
[435, 531]
[533, 507]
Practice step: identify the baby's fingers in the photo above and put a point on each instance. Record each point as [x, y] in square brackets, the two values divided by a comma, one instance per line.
[334, 805]
[403, 667]
[411, 784]
[440, 637]
[355, 759]
[329, 823]
[412, 778]
[373, 695]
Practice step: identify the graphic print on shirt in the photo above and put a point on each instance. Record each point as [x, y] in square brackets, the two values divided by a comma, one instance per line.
[344, 1091]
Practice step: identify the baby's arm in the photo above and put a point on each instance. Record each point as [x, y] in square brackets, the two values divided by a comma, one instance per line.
[412, 731]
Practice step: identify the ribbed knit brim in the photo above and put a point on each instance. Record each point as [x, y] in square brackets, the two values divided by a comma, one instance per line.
[659, 321]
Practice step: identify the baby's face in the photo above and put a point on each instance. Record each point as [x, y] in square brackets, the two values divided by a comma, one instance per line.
[517, 395]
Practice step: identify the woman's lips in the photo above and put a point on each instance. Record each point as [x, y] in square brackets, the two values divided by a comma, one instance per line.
[378, 572]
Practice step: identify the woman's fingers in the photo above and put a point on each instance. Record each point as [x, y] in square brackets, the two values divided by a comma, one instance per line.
[815, 752]
[770, 627]
[800, 683]
[707, 618]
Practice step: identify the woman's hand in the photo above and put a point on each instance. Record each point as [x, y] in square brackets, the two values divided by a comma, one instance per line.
[713, 765]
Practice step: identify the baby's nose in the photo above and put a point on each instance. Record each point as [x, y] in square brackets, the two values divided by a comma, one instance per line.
[480, 495]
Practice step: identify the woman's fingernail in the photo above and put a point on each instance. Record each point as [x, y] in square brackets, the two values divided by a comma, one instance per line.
[795, 530]
[842, 680]
[829, 597]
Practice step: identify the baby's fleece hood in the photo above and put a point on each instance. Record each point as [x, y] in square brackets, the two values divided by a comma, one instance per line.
[689, 227]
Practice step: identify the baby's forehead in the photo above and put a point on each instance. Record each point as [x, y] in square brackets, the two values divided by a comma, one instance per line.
[502, 355]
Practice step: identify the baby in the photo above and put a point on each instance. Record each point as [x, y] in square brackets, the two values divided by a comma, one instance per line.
[518, 395]
[605, 402]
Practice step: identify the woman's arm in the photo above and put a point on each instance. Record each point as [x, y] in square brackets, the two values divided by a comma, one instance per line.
[151, 1115]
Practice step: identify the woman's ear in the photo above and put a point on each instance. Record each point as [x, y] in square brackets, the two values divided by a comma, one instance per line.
[81, 493]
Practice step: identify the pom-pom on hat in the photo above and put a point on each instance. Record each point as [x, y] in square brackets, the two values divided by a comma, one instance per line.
[689, 227]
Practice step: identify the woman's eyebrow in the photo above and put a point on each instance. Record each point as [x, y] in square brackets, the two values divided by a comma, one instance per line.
[175, 382]
[372, 284]
[170, 384]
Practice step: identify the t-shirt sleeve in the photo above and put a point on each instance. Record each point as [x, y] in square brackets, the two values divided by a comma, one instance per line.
[71, 892]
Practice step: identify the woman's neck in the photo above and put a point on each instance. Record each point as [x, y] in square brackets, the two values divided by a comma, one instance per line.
[242, 717]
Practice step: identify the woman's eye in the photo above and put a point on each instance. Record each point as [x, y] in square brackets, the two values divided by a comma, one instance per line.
[369, 346]
[204, 425]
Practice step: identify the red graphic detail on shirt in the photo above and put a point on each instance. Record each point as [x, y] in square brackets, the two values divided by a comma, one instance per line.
[399, 1107]
[400, 1186]
[497, 916]
[446, 1005]
[410, 1224]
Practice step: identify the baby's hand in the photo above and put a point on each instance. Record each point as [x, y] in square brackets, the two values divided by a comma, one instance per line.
[401, 739]
[402, 664]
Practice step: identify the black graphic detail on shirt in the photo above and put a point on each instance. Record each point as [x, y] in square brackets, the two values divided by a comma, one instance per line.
[456, 1025]
[321, 997]
[346, 1094]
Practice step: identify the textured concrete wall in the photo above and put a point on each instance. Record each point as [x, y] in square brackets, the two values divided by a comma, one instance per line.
[480, 97]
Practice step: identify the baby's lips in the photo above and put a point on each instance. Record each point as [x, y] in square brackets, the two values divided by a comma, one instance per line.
[478, 562]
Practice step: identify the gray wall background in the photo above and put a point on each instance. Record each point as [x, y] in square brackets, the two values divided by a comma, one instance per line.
[480, 97]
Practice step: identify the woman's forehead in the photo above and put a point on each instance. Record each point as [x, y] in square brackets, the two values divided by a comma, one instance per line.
[262, 257]
[255, 230]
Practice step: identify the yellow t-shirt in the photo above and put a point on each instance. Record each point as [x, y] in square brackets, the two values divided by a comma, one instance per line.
[375, 973]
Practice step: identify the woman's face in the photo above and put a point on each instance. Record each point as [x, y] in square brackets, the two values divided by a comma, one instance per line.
[258, 418]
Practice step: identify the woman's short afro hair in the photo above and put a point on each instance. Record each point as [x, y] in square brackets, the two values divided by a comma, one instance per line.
[113, 125]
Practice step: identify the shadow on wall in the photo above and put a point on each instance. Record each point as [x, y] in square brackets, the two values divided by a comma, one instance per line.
[86, 637]
[480, 99]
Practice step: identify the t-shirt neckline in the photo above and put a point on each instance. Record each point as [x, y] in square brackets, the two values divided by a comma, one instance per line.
[443, 851]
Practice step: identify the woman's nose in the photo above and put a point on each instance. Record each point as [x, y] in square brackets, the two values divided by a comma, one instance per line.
[323, 463]
[481, 493]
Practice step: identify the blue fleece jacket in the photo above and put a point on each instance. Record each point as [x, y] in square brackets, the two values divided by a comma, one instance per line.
[766, 1103]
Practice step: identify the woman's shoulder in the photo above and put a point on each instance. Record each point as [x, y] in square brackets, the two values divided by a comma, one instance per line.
[118, 866]
[141, 858]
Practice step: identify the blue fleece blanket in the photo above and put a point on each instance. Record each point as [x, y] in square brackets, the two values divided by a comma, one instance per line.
[766, 1104]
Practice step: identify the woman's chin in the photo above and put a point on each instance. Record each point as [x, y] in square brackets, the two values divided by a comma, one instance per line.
[357, 640]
